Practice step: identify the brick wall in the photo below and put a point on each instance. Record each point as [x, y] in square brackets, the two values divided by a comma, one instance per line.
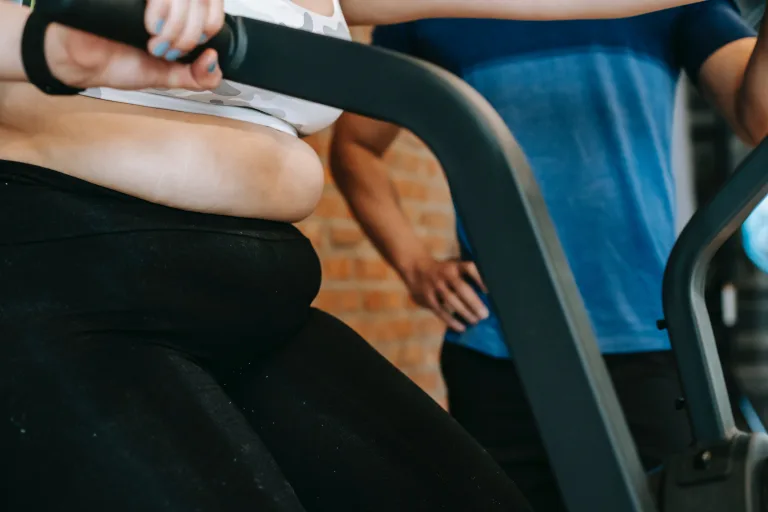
[359, 287]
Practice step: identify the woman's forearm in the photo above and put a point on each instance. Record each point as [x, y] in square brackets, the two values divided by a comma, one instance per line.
[12, 20]
[384, 12]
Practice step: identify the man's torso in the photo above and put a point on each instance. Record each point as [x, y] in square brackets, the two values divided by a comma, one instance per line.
[591, 103]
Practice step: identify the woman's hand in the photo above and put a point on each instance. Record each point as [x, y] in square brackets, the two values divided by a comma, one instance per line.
[83, 60]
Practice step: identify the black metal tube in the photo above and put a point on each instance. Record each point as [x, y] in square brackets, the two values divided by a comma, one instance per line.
[690, 329]
[123, 20]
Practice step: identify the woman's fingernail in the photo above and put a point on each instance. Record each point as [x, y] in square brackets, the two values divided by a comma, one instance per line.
[212, 67]
[172, 55]
[160, 49]
[159, 26]
[203, 38]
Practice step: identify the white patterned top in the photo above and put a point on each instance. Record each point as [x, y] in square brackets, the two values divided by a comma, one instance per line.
[242, 102]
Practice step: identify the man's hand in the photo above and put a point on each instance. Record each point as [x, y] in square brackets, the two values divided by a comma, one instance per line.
[442, 287]
[360, 173]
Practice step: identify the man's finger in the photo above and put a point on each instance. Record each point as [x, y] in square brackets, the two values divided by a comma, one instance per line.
[448, 319]
[470, 269]
[468, 296]
[451, 304]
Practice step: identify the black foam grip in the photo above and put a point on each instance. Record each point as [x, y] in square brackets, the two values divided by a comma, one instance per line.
[123, 21]
[34, 60]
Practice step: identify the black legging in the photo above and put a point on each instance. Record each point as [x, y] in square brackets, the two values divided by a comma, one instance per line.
[159, 360]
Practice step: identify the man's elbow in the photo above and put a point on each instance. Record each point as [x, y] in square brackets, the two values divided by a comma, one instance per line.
[340, 158]
[751, 122]
[350, 167]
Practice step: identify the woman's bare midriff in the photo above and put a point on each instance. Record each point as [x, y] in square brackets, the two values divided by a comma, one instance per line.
[186, 161]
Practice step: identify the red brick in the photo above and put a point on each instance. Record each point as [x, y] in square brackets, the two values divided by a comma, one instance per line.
[410, 189]
[412, 213]
[428, 381]
[404, 161]
[315, 232]
[382, 300]
[391, 351]
[397, 330]
[430, 326]
[341, 268]
[408, 140]
[439, 245]
[373, 270]
[364, 327]
[319, 141]
[355, 323]
[419, 355]
[346, 236]
[361, 34]
[432, 168]
[438, 194]
[413, 354]
[338, 301]
[327, 175]
[436, 220]
[432, 354]
[379, 331]
[332, 206]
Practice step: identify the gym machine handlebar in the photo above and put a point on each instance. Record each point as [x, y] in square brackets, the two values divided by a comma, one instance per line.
[725, 469]
[123, 21]
[594, 458]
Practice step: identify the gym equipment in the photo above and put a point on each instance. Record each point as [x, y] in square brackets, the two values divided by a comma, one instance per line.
[752, 10]
[740, 337]
[725, 467]
[594, 458]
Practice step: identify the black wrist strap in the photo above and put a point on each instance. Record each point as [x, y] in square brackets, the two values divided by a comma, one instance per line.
[33, 58]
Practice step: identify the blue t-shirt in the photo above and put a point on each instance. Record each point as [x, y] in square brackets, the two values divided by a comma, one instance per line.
[591, 104]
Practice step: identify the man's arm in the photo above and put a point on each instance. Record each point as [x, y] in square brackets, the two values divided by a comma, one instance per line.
[383, 12]
[733, 77]
[357, 165]
[751, 112]
[357, 151]
[735, 80]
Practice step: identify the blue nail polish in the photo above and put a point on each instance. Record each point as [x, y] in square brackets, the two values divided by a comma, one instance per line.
[159, 26]
[203, 38]
[172, 55]
[160, 49]
[212, 67]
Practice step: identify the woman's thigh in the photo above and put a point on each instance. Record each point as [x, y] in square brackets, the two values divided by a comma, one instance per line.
[351, 432]
[102, 422]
